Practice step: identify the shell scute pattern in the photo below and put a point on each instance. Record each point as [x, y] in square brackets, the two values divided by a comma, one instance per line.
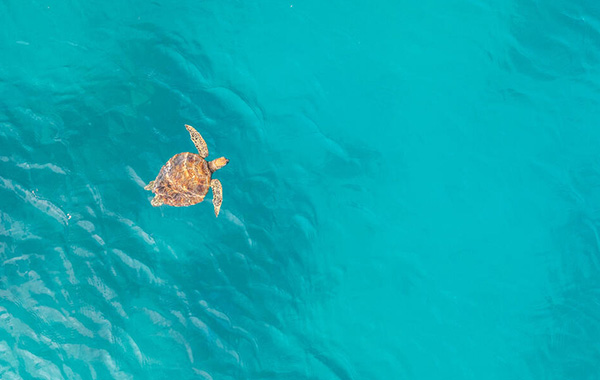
[184, 180]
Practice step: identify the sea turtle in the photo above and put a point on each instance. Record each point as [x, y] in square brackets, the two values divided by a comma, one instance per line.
[184, 180]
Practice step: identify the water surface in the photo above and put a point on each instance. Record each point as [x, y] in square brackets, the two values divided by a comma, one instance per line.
[412, 194]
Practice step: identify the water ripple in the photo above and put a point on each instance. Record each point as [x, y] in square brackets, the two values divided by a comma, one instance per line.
[30, 197]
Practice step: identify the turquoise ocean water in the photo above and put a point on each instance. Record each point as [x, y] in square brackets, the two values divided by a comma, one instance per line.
[413, 191]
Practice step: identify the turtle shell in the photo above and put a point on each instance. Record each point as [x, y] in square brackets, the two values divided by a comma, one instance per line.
[183, 181]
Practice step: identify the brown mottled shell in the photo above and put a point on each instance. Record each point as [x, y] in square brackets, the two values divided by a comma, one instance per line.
[183, 181]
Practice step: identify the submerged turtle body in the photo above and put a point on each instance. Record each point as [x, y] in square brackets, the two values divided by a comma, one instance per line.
[185, 179]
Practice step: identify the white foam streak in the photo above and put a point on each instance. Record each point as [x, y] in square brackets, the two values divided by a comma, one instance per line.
[51, 167]
[138, 266]
[30, 197]
[37, 367]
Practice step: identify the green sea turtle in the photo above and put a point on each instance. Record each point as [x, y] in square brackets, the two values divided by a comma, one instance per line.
[184, 180]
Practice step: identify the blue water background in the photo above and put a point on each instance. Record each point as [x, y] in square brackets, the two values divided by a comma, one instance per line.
[413, 192]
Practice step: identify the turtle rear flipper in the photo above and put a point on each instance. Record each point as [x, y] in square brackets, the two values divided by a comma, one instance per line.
[149, 186]
[157, 201]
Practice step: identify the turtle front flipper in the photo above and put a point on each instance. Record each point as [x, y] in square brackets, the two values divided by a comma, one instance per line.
[198, 141]
[149, 186]
[217, 190]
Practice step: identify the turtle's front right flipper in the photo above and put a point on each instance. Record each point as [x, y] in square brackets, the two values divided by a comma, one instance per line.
[198, 141]
[217, 190]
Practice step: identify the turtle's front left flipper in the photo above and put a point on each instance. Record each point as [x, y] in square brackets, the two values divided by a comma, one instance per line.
[217, 190]
[198, 141]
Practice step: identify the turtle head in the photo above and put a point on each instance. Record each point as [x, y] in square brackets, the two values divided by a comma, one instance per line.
[217, 164]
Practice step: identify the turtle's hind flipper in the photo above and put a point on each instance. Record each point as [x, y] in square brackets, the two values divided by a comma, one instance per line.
[217, 190]
[198, 141]
[149, 186]
[156, 201]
